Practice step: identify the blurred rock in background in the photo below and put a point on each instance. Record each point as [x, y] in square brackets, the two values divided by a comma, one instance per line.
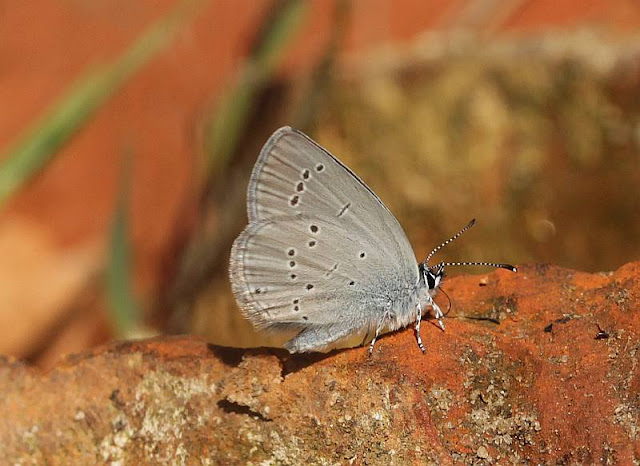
[522, 114]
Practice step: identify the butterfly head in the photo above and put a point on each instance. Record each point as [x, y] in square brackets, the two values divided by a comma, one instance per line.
[433, 275]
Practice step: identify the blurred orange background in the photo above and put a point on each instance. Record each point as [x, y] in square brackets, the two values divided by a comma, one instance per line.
[55, 229]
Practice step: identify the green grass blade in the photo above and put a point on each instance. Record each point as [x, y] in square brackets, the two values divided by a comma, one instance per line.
[37, 146]
[235, 104]
[123, 308]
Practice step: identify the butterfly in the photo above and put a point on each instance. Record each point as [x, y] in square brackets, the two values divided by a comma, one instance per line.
[322, 257]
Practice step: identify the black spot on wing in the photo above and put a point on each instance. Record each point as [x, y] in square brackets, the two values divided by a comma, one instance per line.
[331, 270]
[344, 209]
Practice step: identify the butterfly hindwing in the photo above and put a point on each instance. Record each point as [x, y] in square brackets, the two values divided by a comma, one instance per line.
[301, 271]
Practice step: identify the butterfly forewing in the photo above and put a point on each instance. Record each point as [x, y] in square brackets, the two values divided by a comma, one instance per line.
[320, 247]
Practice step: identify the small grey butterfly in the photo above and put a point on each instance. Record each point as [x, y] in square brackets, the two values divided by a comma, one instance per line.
[322, 256]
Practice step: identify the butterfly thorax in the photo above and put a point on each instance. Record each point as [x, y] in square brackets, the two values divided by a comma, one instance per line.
[401, 306]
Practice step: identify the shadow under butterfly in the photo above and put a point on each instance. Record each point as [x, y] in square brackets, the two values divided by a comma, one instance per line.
[322, 257]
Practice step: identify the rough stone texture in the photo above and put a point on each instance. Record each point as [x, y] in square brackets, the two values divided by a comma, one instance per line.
[518, 377]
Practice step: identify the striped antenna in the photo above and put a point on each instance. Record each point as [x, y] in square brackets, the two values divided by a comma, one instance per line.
[488, 264]
[469, 225]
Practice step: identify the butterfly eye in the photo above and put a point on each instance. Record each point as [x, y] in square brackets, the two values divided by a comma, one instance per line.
[431, 280]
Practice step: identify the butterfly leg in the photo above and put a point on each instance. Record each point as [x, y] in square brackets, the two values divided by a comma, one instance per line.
[373, 342]
[378, 330]
[437, 313]
[417, 328]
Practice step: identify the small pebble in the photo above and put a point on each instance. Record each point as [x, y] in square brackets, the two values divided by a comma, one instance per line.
[482, 453]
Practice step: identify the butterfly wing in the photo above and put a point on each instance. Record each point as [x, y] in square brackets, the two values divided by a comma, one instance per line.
[321, 252]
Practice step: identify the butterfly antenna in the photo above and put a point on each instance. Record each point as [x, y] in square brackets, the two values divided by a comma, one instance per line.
[487, 264]
[436, 249]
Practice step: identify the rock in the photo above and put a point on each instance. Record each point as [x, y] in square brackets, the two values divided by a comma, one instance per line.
[518, 376]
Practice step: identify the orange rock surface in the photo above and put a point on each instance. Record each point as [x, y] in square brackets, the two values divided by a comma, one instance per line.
[535, 367]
